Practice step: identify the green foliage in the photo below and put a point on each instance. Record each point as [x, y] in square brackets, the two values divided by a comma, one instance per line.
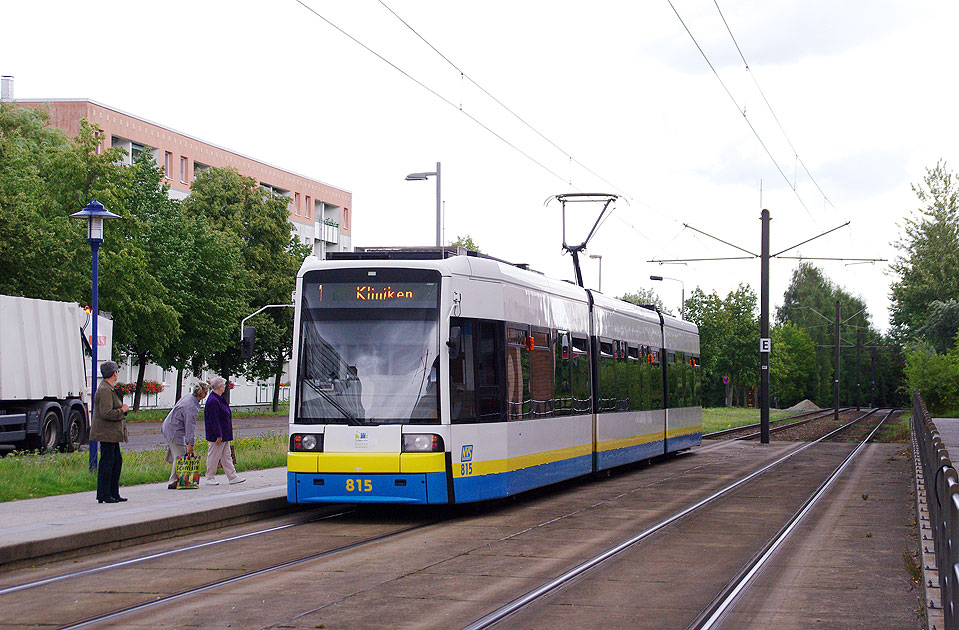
[465, 241]
[942, 324]
[792, 364]
[643, 297]
[271, 255]
[810, 303]
[728, 342]
[936, 376]
[928, 267]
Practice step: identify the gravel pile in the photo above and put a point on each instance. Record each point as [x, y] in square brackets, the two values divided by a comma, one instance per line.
[805, 405]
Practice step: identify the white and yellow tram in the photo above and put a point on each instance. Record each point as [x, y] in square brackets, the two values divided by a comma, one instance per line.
[440, 377]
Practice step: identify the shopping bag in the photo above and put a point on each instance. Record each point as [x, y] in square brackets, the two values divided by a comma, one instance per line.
[187, 472]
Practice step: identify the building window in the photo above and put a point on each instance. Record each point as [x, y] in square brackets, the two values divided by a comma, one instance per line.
[346, 218]
[309, 207]
[296, 203]
[182, 169]
[167, 163]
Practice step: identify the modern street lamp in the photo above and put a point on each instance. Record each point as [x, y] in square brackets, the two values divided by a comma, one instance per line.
[94, 214]
[599, 257]
[415, 177]
[682, 304]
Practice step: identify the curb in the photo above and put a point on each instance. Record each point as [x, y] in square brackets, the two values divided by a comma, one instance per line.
[126, 535]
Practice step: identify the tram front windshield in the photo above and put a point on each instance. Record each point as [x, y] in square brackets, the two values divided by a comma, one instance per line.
[369, 353]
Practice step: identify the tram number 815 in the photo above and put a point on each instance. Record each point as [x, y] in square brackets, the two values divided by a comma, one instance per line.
[359, 485]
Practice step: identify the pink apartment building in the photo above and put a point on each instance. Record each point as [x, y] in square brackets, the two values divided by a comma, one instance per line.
[320, 213]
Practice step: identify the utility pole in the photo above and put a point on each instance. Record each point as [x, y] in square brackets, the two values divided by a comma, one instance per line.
[764, 346]
[872, 370]
[835, 375]
[858, 353]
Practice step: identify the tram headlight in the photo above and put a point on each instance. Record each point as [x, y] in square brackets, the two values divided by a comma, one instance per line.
[306, 442]
[422, 443]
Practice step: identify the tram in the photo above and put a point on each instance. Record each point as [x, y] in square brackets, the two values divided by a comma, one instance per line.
[442, 376]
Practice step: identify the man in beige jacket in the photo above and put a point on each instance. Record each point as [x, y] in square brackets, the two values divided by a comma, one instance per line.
[109, 429]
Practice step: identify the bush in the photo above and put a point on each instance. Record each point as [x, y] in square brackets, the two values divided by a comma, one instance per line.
[936, 376]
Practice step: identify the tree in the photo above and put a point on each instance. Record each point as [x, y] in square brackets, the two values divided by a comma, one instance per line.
[644, 297]
[467, 242]
[928, 268]
[708, 313]
[142, 274]
[936, 376]
[942, 325]
[792, 364]
[43, 253]
[256, 220]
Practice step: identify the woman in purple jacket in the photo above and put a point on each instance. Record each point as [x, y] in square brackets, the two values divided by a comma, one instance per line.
[219, 431]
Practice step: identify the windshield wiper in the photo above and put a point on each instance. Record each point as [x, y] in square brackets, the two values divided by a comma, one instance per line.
[350, 418]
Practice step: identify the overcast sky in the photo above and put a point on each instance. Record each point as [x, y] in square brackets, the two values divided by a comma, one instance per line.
[866, 93]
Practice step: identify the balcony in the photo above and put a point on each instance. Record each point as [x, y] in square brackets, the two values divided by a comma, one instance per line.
[328, 231]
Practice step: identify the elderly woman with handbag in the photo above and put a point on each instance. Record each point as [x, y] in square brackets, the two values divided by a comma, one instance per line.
[179, 428]
[219, 431]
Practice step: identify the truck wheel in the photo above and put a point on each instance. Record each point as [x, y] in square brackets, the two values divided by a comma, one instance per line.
[50, 431]
[76, 428]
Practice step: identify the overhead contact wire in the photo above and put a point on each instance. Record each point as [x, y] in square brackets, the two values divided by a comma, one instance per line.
[432, 91]
[500, 103]
[746, 118]
[770, 107]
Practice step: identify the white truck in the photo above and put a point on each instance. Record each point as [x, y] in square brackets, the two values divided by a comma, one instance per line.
[45, 372]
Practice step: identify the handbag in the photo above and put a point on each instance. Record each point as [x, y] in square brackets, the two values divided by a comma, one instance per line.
[187, 472]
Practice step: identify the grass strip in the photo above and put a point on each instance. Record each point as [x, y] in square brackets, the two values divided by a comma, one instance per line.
[25, 475]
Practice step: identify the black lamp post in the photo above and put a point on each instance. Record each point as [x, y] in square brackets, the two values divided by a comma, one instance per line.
[94, 213]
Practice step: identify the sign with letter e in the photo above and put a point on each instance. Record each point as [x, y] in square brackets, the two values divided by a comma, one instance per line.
[764, 344]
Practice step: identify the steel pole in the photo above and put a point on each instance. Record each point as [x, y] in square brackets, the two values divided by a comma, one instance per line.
[764, 332]
[95, 248]
[858, 353]
[835, 376]
[439, 207]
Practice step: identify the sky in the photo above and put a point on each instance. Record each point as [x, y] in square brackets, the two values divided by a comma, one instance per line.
[520, 101]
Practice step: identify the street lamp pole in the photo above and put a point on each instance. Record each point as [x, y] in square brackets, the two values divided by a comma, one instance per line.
[682, 289]
[94, 213]
[599, 257]
[413, 177]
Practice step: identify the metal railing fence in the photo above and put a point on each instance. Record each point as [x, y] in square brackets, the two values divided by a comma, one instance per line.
[942, 497]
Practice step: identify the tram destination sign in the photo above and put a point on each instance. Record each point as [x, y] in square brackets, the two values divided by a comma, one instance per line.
[373, 295]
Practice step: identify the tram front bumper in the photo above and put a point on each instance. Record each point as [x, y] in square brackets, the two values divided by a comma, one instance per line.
[409, 478]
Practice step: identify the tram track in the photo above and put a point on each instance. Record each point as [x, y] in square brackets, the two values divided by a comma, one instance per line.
[532, 597]
[714, 614]
[322, 562]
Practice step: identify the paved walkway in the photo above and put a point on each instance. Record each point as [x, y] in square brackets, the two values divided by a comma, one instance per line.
[949, 433]
[64, 524]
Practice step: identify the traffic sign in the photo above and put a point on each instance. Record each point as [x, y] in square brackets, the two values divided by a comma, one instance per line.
[764, 344]
[725, 380]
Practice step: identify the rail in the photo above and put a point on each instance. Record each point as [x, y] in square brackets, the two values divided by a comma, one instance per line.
[942, 496]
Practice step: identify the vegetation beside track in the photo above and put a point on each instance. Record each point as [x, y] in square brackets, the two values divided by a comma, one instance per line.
[25, 475]
[719, 418]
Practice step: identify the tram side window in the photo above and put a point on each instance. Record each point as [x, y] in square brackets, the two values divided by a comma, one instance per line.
[622, 376]
[606, 378]
[697, 382]
[540, 374]
[654, 374]
[462, 389]
[562, 388]
[672, 380]
[580, 387]
[634, 378]
[518, 401]
[490, 376]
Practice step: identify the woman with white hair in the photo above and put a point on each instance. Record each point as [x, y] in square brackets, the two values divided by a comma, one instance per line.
[179, 428]
[219, 431]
